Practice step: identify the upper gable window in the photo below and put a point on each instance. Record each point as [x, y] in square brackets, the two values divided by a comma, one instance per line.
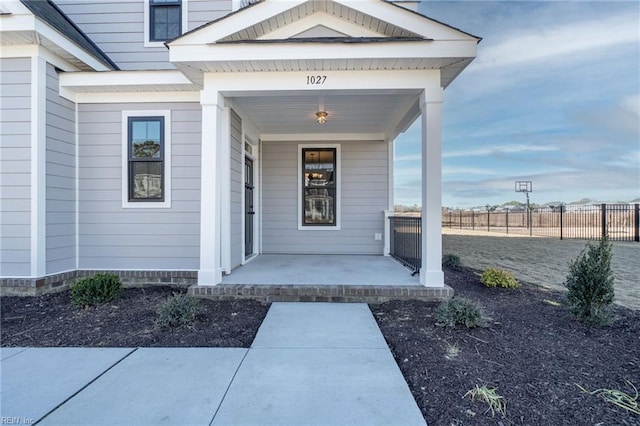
[164, 20]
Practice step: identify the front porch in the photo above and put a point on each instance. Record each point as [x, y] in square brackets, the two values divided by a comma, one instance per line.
[322, 278]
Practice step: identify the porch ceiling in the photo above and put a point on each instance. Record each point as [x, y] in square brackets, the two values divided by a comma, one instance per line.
[376, 115]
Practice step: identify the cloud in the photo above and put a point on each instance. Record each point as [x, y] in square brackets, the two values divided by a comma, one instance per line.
[541, 44]
[498, 149]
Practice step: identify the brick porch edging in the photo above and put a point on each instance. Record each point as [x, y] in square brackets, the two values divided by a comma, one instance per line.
[62, 281]
[320, 293]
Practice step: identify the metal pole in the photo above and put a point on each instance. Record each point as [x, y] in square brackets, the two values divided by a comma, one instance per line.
[561, 214]
[488, 219]
[460, 219]
[507, 220]
[636, 221]
[473, 220]
[528, 212]
[603, 212]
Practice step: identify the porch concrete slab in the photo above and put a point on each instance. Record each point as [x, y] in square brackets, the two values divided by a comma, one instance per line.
[36, 380]
[319, 387]
[321, 269]
[319, 325]
[173, 386]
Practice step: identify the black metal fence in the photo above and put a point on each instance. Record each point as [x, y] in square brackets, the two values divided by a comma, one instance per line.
[406, 241]
[621, 222]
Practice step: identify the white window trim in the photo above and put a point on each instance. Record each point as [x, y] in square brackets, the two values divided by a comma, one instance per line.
[335, 227]
[147, 20]
[126, 204]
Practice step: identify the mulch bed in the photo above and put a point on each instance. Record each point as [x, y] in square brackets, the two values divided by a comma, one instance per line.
[129, 321]
[534, 353]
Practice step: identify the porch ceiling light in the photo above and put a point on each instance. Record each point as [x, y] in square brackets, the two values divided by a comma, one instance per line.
[321, 117]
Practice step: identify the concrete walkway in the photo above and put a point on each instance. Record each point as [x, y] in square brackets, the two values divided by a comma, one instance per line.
[310, 364]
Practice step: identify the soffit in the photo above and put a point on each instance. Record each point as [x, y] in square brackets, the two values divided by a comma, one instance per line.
[27, 37]
[377, 114]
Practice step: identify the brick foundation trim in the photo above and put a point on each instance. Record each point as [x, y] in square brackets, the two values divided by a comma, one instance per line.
[62, 281]
[320, 293]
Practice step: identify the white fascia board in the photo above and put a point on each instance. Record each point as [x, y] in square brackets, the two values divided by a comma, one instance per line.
[236, 22]
[406, 19]
[324, 19]
[318, 51]
[64, 43]
[129, 97]
[237, 83]
[123, 78]
[21, 22]
[316, 137]
[14, 7]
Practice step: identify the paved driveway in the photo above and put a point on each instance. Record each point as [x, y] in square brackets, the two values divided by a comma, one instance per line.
[543, 261]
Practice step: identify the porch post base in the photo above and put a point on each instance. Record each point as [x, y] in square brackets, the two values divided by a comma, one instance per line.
[209, 276]
[432, 278]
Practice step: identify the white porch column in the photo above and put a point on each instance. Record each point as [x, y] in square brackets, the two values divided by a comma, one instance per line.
[210, 272]
[38, 166]
[224, 167]
[431, 274]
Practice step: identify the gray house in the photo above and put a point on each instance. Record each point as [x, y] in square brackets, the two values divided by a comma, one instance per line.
[185, 138]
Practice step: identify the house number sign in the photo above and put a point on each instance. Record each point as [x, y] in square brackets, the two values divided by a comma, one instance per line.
[316, 80]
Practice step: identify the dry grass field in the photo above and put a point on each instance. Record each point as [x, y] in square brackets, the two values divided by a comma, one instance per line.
[542, 261]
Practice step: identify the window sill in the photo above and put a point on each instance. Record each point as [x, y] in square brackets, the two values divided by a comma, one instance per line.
[146, 205]
[319, 228]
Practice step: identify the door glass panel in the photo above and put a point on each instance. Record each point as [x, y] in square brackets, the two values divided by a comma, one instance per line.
[319, 202]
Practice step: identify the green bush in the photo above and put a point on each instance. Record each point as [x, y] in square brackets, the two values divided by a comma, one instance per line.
[493, 277]
[460, 311]
[590, 283]
[176, 311]
[451, 261]
[96, 290]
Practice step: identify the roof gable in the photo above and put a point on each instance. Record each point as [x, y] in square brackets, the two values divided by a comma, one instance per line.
[280, 20]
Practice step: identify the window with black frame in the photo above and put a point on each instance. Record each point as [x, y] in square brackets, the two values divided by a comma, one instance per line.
[319, 186]
[165, 19]
[146, 158]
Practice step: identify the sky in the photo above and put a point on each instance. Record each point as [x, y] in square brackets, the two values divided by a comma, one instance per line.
[553, 97]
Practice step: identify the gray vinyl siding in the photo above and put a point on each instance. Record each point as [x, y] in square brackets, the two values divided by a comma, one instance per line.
[15, 167]
[364, 184]
[237, 190]
[61, 179]
[117, 27]
[112, 237]
[202, 12]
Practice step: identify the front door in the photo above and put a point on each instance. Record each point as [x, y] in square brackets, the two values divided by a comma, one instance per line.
[248, 207]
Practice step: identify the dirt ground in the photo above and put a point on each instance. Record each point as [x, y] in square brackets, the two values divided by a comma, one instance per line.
[542, 261]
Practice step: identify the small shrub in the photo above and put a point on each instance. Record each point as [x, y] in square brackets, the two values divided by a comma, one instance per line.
[460, 311]
[451, 261]
[493, 277]
[176, 311]
[96, 290]
[590, 283]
